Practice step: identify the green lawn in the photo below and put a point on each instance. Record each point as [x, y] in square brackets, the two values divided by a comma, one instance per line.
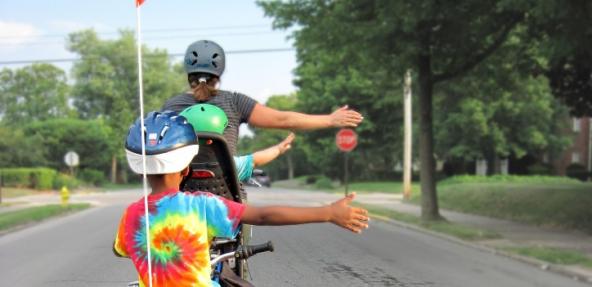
[553, 255]
[453, 229]
[540, 200]
[560, 204]
[37, 213]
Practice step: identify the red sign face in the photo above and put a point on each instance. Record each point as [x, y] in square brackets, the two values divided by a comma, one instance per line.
[346, 140]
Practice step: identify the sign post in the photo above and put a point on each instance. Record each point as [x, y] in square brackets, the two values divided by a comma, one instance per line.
[71, 159]
[407, 139]
[346, 140]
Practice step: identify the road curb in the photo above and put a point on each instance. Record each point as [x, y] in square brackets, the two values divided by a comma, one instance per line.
[555, 268]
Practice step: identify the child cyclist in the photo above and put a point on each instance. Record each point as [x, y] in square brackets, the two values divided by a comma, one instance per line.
[182, 224]
[210, 118]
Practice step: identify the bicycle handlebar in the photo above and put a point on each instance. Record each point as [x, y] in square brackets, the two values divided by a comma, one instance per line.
[250, 250]
[244, 252]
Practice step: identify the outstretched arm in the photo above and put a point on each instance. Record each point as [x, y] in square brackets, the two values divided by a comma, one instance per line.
[262, 157]
[339, 213]
[265, 117]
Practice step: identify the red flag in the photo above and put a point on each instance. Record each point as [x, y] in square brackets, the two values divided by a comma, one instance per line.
[139, 2]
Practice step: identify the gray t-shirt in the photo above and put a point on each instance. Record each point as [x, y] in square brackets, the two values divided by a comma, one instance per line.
[237, 106]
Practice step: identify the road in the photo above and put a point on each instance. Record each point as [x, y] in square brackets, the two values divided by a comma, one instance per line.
[76, 251]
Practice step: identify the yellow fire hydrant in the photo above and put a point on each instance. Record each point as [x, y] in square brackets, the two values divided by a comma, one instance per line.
[65, 195]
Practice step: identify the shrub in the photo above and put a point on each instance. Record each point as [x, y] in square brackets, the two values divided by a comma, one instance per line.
[323, 183]
[311, 179]
[539, 169]
[66, 180]
[578, 171]
[92, 176]
[38, 178]
[16, 177]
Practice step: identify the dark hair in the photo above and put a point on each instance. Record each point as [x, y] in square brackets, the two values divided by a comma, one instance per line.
[203, 91]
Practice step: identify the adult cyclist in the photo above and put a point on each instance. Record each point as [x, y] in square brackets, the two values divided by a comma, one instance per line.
[205, 62]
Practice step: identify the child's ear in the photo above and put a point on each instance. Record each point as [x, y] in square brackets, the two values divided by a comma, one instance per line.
[185, 171]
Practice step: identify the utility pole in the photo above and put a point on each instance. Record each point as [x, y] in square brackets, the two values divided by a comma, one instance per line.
[407, 137]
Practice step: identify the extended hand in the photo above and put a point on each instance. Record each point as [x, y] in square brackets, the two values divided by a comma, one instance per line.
[286, 144]
[352, 218]
[344, 117]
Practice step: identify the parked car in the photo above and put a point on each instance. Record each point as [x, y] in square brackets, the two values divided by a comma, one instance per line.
[260, 178]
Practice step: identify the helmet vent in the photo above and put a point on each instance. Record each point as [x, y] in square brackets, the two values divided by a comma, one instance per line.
[215, 56]
[214, 64]
[202, 109]
[163, 132]
[194, 60]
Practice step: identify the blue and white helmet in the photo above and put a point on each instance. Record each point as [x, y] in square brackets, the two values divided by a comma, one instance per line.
[170, 143]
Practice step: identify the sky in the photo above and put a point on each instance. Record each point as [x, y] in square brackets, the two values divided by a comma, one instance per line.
[35, 30]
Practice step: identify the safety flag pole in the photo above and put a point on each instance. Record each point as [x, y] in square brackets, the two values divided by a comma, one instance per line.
[144, 176]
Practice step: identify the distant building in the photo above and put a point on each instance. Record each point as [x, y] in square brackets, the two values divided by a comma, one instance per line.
[580, 152]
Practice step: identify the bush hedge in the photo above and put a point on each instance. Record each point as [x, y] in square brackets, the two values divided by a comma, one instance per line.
[578, 171]
[37, 178]
[92, 176]
[66, 180]
[323, 183]
[509, 179]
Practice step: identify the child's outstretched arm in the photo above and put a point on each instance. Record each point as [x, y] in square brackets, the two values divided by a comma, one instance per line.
[339, 213]
[264, 156]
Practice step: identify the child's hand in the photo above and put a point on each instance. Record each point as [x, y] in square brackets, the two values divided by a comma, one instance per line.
[352, 218]
[286, 144]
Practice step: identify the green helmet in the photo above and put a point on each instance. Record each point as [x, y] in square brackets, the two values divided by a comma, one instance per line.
[206, 118]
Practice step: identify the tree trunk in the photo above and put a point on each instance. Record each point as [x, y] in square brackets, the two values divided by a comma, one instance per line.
[493, 165]
[429, 199]
[123, 176]
[290, 166]
[113, 169]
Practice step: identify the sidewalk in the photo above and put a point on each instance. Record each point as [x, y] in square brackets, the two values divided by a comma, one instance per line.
[514, 234]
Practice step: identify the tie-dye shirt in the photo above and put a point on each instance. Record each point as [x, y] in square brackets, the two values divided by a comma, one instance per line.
[182, 225]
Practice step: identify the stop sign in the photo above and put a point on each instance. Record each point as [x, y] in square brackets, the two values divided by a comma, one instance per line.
[346, 140]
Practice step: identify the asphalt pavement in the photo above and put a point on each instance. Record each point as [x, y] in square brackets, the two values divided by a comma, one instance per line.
[76, 251]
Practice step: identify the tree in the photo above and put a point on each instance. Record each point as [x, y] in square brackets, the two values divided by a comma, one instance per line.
[33, 93]
[19, 149]
[91, 139]
[107, 85]
[499, 110]
[563, 31]
[437, 40]
[285, 166]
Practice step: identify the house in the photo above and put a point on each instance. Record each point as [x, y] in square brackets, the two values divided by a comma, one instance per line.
[580, 151]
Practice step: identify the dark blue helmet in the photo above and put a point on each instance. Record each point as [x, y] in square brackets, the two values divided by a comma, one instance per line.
[170, 143]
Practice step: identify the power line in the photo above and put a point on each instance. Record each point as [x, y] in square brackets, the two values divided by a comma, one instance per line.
[145, 31]
[148, 39]
[173, 55]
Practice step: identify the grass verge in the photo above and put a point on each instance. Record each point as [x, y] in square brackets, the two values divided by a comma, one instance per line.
[12, 192]
[33, 214]
[554, 204]
[553, 255]
[446, 227]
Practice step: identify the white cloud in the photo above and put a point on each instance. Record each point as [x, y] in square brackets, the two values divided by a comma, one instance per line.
[13, 33]
[72, 26]
[67, 26]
